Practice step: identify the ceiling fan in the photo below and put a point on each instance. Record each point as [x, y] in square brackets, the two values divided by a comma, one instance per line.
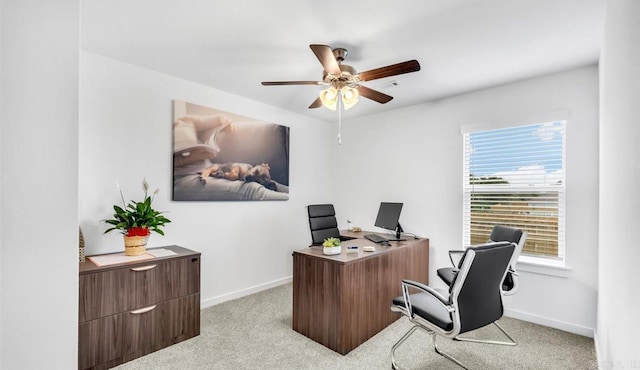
[344, 81]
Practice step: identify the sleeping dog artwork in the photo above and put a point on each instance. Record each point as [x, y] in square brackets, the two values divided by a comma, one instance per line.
[223, 156]
[240, 171]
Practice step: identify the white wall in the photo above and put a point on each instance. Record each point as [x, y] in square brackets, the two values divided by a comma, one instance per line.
[414, 155]
[126, 134]
[1, 181]
[39, 213]
[618, 334]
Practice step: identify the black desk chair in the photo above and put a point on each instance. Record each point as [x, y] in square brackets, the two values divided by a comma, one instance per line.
[323, 223]
[510, 283]
[474, 299]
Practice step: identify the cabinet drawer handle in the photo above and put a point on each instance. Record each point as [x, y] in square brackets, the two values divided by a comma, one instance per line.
[143, 310]
[143, 268]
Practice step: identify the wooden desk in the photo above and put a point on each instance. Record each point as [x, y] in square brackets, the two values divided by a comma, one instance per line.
[341, 301]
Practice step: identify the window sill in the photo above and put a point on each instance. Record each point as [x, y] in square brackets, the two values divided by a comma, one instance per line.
[543, 267]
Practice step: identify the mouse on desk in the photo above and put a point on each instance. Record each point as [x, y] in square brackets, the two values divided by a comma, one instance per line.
[386, 244]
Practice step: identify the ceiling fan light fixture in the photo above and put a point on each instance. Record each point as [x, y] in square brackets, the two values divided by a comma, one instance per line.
[329, 97]
[349, 96]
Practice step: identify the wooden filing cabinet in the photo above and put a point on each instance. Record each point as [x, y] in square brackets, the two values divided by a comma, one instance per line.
[131, 309]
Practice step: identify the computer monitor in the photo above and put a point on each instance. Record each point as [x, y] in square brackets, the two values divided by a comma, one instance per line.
[388, 217]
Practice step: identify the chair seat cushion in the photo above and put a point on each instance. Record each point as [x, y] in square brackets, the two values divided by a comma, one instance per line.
[447, 274]
[429, 308]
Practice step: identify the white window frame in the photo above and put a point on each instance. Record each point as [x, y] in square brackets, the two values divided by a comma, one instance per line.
[526, 260]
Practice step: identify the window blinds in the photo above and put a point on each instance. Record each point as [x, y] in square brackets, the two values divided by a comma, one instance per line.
[515, 177]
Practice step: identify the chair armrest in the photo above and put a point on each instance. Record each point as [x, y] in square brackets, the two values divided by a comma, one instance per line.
[455, 252]
[426, 289]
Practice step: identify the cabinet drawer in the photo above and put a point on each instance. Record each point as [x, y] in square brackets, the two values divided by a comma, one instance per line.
[115, 339]
[115, 291]
[152, 328]
[101, 342]
[148, 285]
[101, 294]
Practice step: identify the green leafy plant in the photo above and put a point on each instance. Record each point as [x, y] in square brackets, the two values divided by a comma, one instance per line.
[331, 242]
[137, 218]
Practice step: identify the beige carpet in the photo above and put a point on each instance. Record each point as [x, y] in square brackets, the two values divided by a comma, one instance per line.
[255, 332]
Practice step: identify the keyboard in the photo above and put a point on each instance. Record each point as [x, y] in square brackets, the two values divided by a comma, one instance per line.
[376, 238]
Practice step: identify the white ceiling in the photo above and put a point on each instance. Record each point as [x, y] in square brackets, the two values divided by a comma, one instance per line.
[462, 45]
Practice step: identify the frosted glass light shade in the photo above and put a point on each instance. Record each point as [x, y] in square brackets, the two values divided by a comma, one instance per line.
[349, 97]
[329, 97]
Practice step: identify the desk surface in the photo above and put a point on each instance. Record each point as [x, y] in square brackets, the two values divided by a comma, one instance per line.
[345, 258]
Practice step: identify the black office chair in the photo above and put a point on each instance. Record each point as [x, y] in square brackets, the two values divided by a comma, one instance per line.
[510, 283]
[323, 223]
[474, 300]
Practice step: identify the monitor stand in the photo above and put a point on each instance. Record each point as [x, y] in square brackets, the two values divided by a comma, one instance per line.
[398, 237]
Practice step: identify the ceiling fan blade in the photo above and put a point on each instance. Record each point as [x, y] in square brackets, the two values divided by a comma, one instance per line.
[316, 104]
[374, 95]
[392, 70]
[326, 58]
[278, 83]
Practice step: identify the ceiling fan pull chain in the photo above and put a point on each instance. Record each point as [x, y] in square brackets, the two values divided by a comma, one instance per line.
[339, 119]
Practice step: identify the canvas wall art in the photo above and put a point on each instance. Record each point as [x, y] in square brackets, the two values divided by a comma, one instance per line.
[222, 156]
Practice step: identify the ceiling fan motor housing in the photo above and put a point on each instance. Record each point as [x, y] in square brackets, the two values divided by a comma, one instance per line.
[348, 74]
[340, 54]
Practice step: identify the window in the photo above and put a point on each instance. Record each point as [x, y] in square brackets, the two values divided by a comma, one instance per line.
[515, 177]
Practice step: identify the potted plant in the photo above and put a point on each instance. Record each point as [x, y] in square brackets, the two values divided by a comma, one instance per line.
[331, 246]
[136, 221]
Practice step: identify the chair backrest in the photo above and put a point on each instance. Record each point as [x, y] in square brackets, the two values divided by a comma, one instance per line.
[505, 234]
[476, 291]
[323, 223]
[513, 235]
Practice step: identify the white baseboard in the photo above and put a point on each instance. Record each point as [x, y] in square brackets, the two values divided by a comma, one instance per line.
[208, 302]
[540, 320]
[552, 323]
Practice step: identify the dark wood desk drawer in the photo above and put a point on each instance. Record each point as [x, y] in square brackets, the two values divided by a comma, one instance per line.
[101, 294]
[162, 325]
[159, 282]
[111, 292]
[119, 338]
[101, 342]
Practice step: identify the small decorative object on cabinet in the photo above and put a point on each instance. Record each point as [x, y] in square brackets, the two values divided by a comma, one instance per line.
[128, 310]
[136, 221]
[331, 246]
[81, 244]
